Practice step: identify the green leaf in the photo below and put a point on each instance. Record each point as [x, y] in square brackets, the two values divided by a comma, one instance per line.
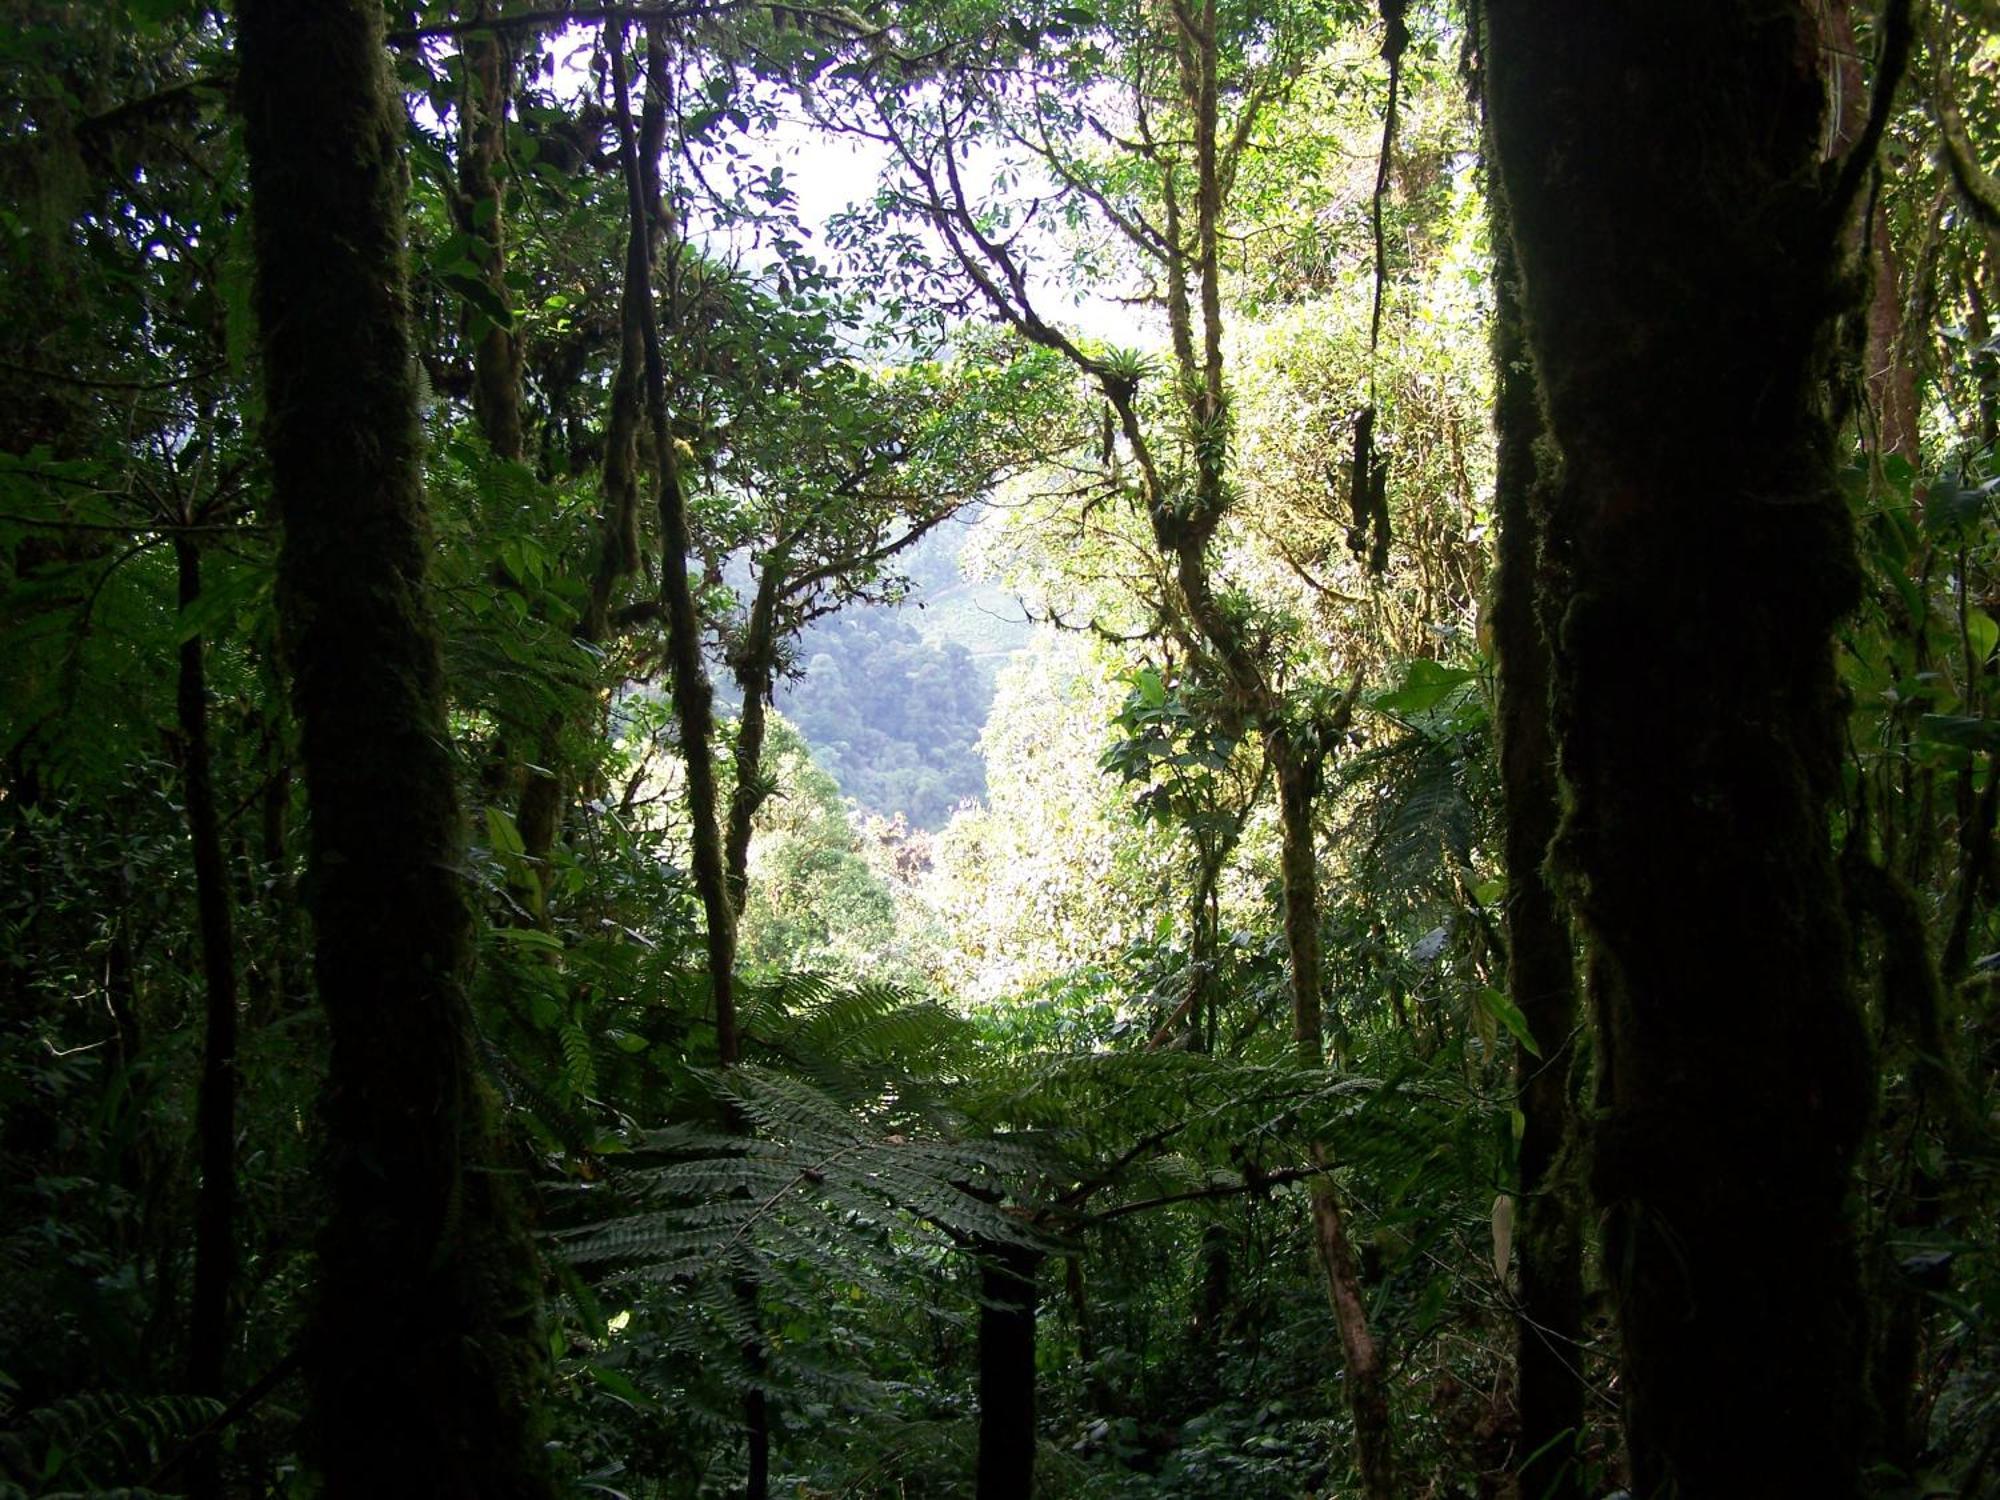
[158, 12]
[1950, 504]
[527, 937]
[618, 1385]
[1983, 633]
[221, 603]
[1425, 685]
[1961, 731]
[1496, 1004]
[501, 832]
[480, 297]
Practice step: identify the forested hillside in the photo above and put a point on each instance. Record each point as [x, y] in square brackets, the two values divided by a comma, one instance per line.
[1229, 749]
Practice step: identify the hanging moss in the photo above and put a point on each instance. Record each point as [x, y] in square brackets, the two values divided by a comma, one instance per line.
[1681, 272]
[424, 1359]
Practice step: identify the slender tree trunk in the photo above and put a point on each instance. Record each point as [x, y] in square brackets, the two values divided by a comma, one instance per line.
[749, 791]
[215, 1106]
[1299, 867]
[545, 796]
[754, 662]
[481, 213]
[1361, 1356]
[1008, 1293]
[1183, 524]
[693, 697]
[425, 1362]
[1541, 962]
[693, 701]
[1889, 377]
[1679, 247]
[618, 522]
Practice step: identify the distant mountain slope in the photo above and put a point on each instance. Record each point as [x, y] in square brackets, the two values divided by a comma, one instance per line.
[893, 698]
[894, 719]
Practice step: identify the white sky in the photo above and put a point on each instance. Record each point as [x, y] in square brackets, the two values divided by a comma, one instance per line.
[829, 173]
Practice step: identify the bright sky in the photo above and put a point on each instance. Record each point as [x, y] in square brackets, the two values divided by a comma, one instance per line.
[829, 173]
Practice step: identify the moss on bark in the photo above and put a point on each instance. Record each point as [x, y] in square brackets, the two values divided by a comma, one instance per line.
[1541, 960]
[1681, 265]
[424, 1359]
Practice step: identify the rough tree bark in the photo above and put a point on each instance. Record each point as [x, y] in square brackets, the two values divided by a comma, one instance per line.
[1541, 963]
[424, 1361]
[1680, 249]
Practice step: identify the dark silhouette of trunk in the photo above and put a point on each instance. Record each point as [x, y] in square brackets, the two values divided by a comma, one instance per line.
[545, 795]
[424, 1359]
[1679, 244]
[1541, 962]
[693, 701]
[693, 698]
[215, 1104]
[1008, 1293]
[1928, 1099]
[480, 210]
[618, 520]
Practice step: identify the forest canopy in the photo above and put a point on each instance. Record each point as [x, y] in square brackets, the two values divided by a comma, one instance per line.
[1193, 748]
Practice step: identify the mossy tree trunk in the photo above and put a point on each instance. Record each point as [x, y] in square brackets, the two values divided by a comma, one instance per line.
[480, 210]
[1680, 256]
[754, 662]
[424, 1359]
[215, 1108]
[694, 717]
[547, 792]
[1541, 961]
[1294, 747]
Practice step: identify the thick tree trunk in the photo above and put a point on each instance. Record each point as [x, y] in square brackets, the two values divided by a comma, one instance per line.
[424, 1359]
[1680, 257]
[1541, 963]
[215, 1107]
[1008, 1293]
